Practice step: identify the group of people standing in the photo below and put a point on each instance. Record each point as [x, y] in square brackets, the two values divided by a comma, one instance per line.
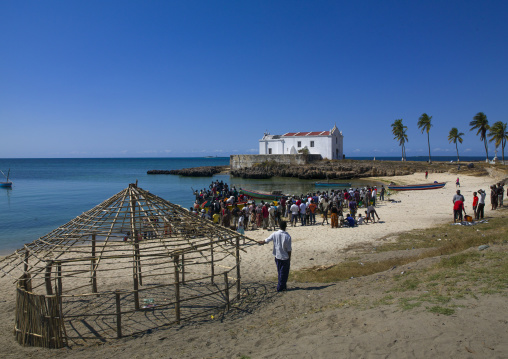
[496, 200]
[223, 205]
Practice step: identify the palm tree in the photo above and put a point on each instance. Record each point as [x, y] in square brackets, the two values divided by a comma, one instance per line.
[399, 131]
[424, 124]
[455, 136]
[499, 134]
[481, 124]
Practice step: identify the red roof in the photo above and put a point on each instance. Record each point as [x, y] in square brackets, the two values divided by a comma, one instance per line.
[301, 134]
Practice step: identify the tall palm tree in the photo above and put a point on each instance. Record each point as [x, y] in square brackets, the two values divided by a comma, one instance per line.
[399, 131]
[455, 136]
[481, 124]
[499, 134]
[424, 124]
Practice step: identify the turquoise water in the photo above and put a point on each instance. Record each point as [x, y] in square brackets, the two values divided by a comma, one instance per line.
[48, 193]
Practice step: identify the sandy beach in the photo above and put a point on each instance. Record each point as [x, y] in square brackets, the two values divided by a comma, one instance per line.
[320, 320]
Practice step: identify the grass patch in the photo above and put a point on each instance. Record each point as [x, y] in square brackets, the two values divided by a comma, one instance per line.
[454, 239]
[409, 303]
[462, 272]
[387, 299]
[345, 270]
[459, 259]
[408, 284]
[448, 239]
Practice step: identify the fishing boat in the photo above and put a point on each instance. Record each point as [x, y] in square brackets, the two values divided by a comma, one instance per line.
[411, 187]
[273, 196]
[7, 183]
[332, 184]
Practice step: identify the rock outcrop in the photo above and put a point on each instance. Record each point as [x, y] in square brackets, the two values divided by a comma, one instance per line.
[336, 170]
[206, 171]
[327, 169]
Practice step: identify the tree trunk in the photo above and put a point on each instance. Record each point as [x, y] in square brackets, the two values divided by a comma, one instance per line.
[457, 148]
[486, 149]
[428, 141]
[503, 143]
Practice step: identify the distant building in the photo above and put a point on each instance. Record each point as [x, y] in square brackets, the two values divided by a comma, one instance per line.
[328, 144]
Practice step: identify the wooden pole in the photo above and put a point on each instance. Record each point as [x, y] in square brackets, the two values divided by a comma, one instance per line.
[238, 278]
[94, 272]
[226, 289]
[118, 315]
[59, 277]
[47, 276]
[135, 279]
[177, 291]
[134, 233]
[138, 261]
[25, 266]
[211, 260]
[183, 269]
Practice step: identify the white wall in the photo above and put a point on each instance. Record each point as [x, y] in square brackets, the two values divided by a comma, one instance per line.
[326, 146]
[277, 147]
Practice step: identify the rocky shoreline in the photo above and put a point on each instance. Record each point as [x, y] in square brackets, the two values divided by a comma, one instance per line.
[345, 169]
[206, 171]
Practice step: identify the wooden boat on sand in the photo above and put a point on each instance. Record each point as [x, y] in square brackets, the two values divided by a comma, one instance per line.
[273, 196]
[411, 187]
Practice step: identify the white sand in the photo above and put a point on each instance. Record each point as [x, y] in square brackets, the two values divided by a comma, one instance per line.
[416, 210]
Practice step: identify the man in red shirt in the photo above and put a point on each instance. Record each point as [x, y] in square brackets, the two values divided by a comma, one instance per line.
[458, 207]
[475, 205]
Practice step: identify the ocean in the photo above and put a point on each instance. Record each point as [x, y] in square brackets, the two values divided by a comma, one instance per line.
[48, 193]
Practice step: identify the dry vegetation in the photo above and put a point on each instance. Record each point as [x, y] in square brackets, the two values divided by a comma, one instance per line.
[446, 264]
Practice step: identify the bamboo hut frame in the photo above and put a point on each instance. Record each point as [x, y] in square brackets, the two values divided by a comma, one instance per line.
[133, 262]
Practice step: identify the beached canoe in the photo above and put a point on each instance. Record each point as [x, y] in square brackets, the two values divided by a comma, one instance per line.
[412, 187]
[332, 184]
[273, 196]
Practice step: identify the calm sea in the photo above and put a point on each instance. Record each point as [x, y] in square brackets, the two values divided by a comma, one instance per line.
[48, 193]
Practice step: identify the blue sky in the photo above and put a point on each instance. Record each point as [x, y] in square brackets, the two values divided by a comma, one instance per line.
[196, 78]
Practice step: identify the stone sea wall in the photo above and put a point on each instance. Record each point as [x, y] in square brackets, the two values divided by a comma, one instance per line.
[238, 162]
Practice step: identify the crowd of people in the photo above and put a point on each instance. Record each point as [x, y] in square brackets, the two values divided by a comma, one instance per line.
[232, 209]
[496, 200]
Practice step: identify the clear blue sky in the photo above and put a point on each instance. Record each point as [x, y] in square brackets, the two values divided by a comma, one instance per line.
[194, 78]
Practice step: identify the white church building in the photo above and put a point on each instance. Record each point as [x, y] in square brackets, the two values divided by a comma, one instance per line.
[328, 144]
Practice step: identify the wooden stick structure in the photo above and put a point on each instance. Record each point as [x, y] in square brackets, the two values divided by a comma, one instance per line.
[161, 259]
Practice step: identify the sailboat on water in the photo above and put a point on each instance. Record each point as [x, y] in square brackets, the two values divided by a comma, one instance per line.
[7, 183]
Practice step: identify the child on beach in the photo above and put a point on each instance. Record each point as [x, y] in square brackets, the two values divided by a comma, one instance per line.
[350, 220]
[457, 183]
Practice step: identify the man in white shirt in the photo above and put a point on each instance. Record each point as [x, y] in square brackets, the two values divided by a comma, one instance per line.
[282, 253]
[481, 204]
[295, 213]
[374, 195]
[303, 207]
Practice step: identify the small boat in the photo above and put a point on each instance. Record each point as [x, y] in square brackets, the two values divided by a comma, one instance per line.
[273, 196]
[411, 187]
[332, 184]
[7, 183]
